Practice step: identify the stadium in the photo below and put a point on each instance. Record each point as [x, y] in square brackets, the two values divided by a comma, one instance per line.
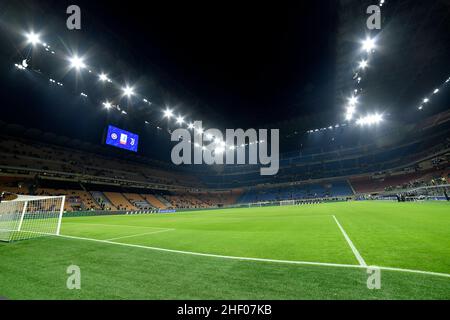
[94, 206]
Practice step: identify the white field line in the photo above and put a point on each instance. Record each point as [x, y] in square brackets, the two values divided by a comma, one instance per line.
[324, 264]
[352, 246]
[112, 225]
[139, 234]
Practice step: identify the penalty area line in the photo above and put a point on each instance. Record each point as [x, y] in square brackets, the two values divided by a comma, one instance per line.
[139, 234]
[350, 243]
[323, 264]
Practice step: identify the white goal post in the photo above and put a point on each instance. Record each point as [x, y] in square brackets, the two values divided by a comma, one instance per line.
[30, 216]
[287, 202]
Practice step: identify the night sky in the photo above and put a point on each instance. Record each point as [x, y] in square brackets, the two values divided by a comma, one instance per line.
[231, 64]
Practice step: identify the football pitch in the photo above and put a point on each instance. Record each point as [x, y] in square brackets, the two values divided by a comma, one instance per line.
[320, 251]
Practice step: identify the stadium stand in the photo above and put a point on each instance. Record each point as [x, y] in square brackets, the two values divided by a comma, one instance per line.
[154, 201]
[94, 180]
[119, 201]
[138, 201]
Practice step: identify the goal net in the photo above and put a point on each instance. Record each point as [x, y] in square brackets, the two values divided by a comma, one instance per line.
[260, 204]
[287, 202]
[30, 216]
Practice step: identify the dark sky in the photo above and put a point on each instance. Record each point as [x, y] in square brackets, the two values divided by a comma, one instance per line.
[229, 63]
[232, 63]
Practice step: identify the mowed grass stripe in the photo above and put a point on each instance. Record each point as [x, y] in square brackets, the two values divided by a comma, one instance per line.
[295, 237]
[116, 272]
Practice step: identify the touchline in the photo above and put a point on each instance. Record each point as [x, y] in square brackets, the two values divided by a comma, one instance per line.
[191, 150]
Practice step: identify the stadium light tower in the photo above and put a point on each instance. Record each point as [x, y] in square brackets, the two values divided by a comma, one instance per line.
[33, 38]
[77, 63]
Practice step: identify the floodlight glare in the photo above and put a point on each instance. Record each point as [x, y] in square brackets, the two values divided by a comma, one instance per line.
[352, 100]
[370, 119]
[103, 77]
[180, 120]
[368, 45]
[168, 113]
[33, 38]
[127, 91]
[190, 125]
[426, 100]
[363, 64]
[107, 104]
[436, 91]
[77, 63]
[351, 109]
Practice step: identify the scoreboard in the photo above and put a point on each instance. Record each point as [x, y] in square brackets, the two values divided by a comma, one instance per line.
[120, 138]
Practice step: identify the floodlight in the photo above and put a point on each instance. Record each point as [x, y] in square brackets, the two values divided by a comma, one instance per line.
[363, 64]
[107, 104]
[368, 45]
[180, 120]
[33, 38]
[19, 66]
[190, 125]
[168, 113]
[103, 77]
[351, 109]
[435, 91]
[353, 100]
[200, 130]
[426, 100]
[348, 116]
[208, 136]
[370, 119]
[127, 91]
[77, 62]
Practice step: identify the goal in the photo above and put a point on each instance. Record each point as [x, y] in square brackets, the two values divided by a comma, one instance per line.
[260, 204]
[28, 217]
[287, 202]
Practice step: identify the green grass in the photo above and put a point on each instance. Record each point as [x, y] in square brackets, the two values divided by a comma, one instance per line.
[400, 235]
